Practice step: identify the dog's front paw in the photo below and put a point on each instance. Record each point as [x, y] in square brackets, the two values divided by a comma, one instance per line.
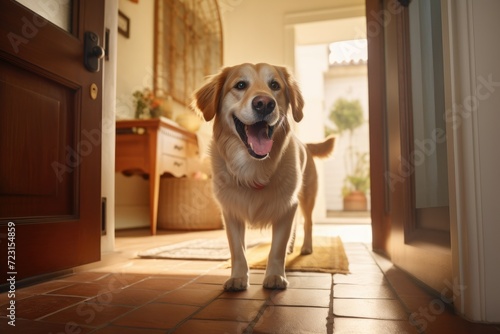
[236, 284]
[275, 282]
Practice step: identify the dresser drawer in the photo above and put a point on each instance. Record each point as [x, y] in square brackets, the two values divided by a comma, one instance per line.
[174, 146]
[173, 164]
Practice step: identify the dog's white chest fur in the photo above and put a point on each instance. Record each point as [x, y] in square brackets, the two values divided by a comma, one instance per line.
[251, 195]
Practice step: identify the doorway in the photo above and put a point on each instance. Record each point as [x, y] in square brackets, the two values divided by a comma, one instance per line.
[330, 64]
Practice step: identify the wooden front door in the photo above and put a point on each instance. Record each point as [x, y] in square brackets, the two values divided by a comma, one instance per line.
[410, 213]
[50, 125]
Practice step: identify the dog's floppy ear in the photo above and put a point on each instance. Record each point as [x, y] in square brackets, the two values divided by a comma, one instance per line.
[293, 93]
[207, 98]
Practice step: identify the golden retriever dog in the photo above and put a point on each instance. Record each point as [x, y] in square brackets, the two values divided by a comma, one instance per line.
[261, 171]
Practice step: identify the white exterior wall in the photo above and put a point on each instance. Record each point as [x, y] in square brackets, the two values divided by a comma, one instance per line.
[349, 82]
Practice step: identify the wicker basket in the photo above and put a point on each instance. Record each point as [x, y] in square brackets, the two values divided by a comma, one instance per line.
[187, 204]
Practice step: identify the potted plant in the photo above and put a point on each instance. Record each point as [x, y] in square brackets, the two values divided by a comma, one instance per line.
[347, 115]
[356, 185]
[147, 105]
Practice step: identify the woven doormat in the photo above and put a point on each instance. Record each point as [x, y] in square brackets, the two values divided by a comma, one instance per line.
[328, 257]
[197, 249]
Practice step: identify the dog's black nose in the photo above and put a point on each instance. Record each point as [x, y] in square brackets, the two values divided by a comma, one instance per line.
[263, 104]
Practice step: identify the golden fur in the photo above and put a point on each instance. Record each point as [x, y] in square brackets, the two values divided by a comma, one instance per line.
[261, 171]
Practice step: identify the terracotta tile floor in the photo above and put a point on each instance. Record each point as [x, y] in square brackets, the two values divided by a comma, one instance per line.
[122, 294]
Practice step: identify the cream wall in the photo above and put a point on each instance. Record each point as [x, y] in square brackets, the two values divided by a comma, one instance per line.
[135, 55]
[134, 72]
[254, 30]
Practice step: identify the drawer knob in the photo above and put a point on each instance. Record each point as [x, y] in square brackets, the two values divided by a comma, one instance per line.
[178, 147]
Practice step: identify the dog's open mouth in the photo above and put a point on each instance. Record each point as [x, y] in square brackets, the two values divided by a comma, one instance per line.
[256, 137]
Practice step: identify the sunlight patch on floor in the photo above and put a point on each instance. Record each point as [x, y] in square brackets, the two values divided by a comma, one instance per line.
[347, 232]
[354, 229]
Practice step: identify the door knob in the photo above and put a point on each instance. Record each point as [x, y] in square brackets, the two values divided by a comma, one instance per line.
[98, 52]
[92, 52]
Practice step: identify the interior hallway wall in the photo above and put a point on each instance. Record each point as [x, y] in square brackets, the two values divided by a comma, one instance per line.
[134, 72]
[254, 30]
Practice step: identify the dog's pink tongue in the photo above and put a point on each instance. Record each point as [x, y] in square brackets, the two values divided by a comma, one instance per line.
[258, 138]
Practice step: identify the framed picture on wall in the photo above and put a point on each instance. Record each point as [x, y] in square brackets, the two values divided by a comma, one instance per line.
[123, 24]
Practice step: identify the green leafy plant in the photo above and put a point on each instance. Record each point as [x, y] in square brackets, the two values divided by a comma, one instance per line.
[359, 179]
[347, 115]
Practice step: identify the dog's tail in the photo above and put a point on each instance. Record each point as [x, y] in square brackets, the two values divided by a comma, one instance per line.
[323, 149]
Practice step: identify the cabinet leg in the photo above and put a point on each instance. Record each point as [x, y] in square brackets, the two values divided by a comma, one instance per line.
[154, 189]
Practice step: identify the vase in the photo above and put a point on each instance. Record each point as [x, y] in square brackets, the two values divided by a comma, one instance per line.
[155, 113]
[189, 121]
[166, 107]
[142, 113]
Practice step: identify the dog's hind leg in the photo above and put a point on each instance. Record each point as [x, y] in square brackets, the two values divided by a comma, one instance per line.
[235, 230]
[306, 206]
[291, 243]
[307, 246]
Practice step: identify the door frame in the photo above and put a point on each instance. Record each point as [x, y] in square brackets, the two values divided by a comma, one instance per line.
[474, 258]
[381, 220]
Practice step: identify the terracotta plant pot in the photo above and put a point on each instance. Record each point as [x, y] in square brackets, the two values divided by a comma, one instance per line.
[355, 201]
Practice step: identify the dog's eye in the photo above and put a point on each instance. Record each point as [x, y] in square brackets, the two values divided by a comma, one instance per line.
[240, 85]
[274, 85]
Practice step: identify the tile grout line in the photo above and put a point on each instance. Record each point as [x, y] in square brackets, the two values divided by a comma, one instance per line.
[391, 286]
[262, 309]
[330, 320]
[132, 309]
[169, 330]
[190, 317]
[71, 284]
[87, 298]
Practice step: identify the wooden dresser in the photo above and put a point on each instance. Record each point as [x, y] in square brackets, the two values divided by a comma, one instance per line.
[153, 147]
